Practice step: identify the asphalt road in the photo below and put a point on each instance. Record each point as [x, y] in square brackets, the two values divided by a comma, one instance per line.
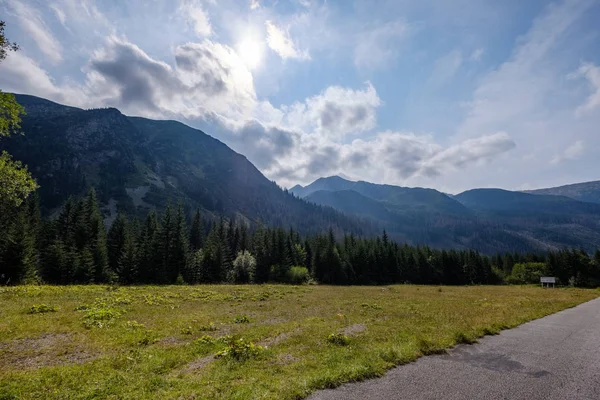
[556, 357]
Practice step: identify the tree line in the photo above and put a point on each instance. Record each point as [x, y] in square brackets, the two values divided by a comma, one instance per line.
[76, 247]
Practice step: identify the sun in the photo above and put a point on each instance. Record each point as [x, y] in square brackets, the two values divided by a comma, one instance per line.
[250, 52]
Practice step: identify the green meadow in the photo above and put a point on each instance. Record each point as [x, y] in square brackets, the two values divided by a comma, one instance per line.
[240, 342]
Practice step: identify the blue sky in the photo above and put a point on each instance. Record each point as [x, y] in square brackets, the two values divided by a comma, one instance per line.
[436, 93]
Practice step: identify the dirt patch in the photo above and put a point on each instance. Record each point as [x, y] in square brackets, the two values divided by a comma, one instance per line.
[285, 359]
[195, 365]
[354, 330]
[47, 350]
[278, 339]
[171, 341]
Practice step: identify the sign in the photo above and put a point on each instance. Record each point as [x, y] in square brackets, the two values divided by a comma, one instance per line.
[546, 281]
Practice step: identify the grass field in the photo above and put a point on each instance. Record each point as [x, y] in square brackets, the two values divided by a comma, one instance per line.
[239, 342]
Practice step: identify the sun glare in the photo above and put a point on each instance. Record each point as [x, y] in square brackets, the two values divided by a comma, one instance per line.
[250, 52]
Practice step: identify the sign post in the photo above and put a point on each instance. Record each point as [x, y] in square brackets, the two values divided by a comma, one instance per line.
[547, 280]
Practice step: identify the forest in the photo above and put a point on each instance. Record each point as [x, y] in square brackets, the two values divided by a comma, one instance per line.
[76, 247]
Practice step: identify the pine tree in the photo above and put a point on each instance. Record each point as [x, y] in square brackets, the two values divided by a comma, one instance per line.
[196, 232]
[96, 237]
[116, 241]
[147, 260]
[127, 266]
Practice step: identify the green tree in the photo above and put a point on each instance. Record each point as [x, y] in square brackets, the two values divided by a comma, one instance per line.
[15, 181]
[243, 268]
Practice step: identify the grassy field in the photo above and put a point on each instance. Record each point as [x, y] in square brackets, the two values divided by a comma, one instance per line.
[239, 342]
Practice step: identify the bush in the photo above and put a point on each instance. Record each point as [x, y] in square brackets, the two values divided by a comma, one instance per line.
[527, 273]
[338, 339]
[208, 328]
[239, 350]
[241, 319]
[41, 309]
[297, 275]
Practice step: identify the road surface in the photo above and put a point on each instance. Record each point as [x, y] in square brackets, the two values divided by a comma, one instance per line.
[556, 357]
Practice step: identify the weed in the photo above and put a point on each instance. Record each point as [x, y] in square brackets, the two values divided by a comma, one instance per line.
[240, 350]
[148, 338]
[211, 327]
[205, 339]
[187, 330]
[338, 339]
[373, 306]
[241, 319]
[101, 316]
[135, 325]
[41, 309]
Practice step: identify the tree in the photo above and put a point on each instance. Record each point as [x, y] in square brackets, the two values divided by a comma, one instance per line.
[243, 268]
[15, 181]
[116, 241]
[196, 232]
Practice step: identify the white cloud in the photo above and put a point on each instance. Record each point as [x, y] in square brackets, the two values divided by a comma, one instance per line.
[477, 54]
[446, 67]
[254, 4]
[592, 74]
[336, 112]
[280, 42]
[572, 152]
[32, 22]
[378, 47]
[196, 16]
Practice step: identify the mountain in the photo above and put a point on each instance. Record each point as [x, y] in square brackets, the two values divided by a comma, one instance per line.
[489, 220]
[137, 164]
[398, 199]
[586, 191]
[517, 203]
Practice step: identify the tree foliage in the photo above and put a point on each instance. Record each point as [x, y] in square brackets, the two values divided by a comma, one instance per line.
[74, 247]
[15, 181]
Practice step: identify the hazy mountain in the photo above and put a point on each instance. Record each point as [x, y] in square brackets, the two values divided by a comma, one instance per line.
[507, 202]
[486, 219]
[399, 199]
[586, 191]
[137, 164]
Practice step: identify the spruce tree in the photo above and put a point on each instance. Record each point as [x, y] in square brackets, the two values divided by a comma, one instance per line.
[196, 232]
[116, 241]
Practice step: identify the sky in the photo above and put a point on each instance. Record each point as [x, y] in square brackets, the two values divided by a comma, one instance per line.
[448, 94]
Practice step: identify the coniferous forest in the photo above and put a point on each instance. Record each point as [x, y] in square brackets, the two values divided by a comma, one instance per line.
[178, 247]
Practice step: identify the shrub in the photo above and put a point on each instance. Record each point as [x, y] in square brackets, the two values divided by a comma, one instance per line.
[297, 275]
[240, 350]
[205, 339]
[41, 309]
[208, 328]
[187, 330]
[135, 325]
[527, 273]
[243, 268]
[101, 316]
[241, 319]
[338, 339]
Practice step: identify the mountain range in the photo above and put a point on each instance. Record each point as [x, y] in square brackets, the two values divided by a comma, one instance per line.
[137, 164]
[489, 220]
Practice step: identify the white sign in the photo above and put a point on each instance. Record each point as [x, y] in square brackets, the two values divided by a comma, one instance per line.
[547, 279]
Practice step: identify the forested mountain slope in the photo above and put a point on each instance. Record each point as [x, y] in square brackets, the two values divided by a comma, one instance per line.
[137, 164]
[586, 191]
[489, 220]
